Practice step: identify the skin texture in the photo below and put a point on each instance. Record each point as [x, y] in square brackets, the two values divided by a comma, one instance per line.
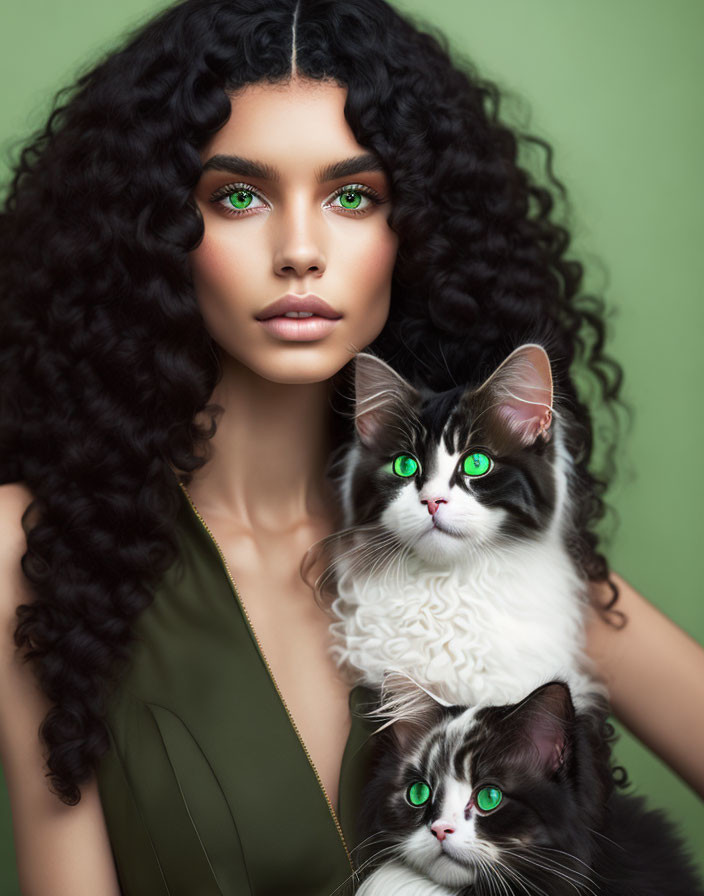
[273, 501]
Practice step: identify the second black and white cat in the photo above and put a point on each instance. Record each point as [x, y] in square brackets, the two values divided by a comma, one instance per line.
[511, 801]
[454, 567]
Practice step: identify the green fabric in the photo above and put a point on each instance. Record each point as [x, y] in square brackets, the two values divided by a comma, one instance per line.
[206, 788]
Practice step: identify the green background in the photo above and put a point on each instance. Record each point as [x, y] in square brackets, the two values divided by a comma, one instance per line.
[614, 85]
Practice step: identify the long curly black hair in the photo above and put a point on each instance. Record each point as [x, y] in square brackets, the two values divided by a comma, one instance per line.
[105, 362]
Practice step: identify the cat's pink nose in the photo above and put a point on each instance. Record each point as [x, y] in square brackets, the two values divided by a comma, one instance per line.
[441, 829]
[433, 504]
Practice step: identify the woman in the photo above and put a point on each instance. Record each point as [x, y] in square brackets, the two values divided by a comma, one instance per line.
[230, 155]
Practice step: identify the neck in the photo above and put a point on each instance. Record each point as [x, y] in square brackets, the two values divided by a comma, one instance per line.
[266, 465]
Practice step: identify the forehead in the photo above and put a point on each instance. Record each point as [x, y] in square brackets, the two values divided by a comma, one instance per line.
[446, 416]
[449, 744]
[292, 125]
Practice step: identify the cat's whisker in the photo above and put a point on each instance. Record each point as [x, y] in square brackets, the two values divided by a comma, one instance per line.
[378, 836]
[365, 552]
[520, 879]
[387, 851]
[400, 563]
[599, 834]
[515, 875]
[564, 853]
[362, 557]
[504, 875]
[565, 874]
[397, 566]
[392, 547]
[492, 876]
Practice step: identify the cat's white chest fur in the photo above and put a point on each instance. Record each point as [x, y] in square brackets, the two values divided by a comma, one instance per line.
[490, 631]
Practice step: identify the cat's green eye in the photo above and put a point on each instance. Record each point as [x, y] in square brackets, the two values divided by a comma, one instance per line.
[405, 465]
[477, 464]
[418, 793]
[488, 798]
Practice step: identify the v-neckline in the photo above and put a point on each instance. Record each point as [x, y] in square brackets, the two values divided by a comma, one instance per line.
[349, 750]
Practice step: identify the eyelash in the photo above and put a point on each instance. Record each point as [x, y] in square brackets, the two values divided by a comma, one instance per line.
[229, 189]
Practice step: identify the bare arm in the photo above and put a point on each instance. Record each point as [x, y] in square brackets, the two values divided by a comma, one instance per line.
[61, 850]
[655, 675]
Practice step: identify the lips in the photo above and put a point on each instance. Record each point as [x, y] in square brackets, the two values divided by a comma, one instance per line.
[292, 302]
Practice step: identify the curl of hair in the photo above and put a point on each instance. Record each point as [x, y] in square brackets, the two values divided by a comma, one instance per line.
[105, 362]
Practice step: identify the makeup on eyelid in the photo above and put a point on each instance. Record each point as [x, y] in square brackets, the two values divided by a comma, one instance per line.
[221, 196]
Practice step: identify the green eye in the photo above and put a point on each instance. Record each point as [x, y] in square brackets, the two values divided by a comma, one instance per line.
[240, 199]
[418, 793]
[477, 464]
[350, 203]
[489, 798]
[405, 465]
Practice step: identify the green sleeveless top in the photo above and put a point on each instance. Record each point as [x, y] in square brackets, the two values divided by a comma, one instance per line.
[207, 788]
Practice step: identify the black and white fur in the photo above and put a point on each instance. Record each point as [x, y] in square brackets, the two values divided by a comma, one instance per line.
[561, 827]
[479, 601]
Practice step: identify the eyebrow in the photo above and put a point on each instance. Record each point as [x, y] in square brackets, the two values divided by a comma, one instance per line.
[251, 168]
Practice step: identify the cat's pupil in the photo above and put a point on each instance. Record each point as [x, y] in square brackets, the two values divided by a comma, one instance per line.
[488, 798]
[418, 793]
[405, 465]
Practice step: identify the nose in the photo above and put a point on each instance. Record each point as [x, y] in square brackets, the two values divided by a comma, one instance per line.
[433, 504]
[441, 829]
[298, 250]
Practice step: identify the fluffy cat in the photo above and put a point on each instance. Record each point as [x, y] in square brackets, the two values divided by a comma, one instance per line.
[453, 564]
[513, 800]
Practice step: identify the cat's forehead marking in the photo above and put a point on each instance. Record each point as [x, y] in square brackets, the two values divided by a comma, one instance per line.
[439, 416]
[448, 746]
[461, 724]
[457, 435]
[441, 470]
[433, 757]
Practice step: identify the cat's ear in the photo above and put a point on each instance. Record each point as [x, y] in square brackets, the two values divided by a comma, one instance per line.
[541, 725]
[521, 392]
[408, 710]
[380, 393]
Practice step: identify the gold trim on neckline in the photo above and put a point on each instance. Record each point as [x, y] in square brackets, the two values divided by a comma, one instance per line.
[271, 674]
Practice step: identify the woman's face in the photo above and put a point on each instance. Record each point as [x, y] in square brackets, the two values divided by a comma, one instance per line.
[277, 222]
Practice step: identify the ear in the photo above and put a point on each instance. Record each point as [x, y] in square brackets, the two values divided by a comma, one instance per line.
[521, 389]
[408, 709]
[380, 395]
[541, 724]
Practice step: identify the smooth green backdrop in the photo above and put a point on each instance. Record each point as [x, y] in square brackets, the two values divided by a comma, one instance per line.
[615, 87]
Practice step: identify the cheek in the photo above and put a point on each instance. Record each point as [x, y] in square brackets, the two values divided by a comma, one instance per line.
[380, 257]
[405, 514]
[217, 266]
[368, 265]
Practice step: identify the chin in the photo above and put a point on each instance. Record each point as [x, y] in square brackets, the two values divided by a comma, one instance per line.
[442, 548]
[450, 873]
[298, 365]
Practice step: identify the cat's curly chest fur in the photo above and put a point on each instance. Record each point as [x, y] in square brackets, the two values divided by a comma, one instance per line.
[489, 631]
